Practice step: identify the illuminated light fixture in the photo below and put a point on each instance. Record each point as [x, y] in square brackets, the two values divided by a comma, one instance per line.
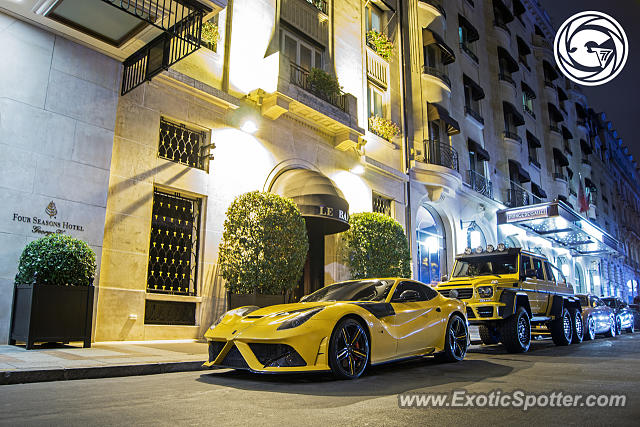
[479, 249]
[432, 244]
[358, 170]
[596, 280]
[475, 238]
[490, 248]
[467, 251]
[501, 247]
[249, 126]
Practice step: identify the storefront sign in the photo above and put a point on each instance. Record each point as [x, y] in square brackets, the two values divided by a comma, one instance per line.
[47, 224]
[333, 213]
[526, 214]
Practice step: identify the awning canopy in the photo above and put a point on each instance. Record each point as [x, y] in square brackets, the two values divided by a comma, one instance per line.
[472, 33]
[517, 169]
[560, 157]
[527, 89]
[320, 201]
[504, 55]
[532, 140]
[503, 10]
[554, 113]
[566, 133]
[477, 93]
[438, 112]
[509, 108]
[585, 147]
[549, 72]
[559, 223]
[481, 153]
[580, 110]
[523, 47]
[538, 191]
[430, 37]
[562, 95]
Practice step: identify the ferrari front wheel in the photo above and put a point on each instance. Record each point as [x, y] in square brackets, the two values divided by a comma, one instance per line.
[348, 349]
[456, 340]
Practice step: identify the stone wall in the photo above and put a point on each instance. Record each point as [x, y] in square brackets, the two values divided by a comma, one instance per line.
[57, 115]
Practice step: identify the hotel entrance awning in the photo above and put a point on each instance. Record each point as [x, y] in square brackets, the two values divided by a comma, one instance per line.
[557, 222]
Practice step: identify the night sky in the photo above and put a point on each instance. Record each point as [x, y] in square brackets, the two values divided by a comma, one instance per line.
[620, 97]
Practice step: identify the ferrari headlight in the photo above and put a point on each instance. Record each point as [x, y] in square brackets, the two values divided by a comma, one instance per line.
[240, 311]
[485, 291]
[299, 319]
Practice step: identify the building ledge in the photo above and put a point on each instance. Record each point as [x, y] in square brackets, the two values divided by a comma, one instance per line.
[439, 180]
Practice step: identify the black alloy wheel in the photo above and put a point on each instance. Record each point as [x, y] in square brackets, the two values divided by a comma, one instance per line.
[590, 332]
[456, 340]
[618, 326]
[562, 329]
[348, 349]
[515, 331]
[577, 326]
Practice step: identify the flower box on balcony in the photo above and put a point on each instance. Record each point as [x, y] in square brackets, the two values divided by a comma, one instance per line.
[384, 128]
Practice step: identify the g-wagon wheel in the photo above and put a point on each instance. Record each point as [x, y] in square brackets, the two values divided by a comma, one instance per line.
[577, 326]
[562, 329]
[516, 331]
[348, 349]
[590, 333]
[488, 335]
[456, 340]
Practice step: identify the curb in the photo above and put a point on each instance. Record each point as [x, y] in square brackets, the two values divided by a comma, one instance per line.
[64, 374]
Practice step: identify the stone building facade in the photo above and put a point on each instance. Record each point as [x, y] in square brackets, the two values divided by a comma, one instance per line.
[145, 177]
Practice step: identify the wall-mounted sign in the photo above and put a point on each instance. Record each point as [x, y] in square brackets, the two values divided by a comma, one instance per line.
[333, 213]
[47, 224]
[526, 214]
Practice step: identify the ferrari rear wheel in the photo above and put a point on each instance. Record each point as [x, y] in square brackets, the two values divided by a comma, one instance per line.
[348, 349]
[456, 340]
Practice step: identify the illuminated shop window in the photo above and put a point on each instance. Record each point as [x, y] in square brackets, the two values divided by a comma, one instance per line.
[174, 243]
[431, 242]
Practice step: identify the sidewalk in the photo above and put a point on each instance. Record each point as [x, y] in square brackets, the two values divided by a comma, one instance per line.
[102, 360]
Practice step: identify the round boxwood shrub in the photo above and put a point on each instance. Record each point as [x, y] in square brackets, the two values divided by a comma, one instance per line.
[375, 246]
[57, 259]
[264, 244]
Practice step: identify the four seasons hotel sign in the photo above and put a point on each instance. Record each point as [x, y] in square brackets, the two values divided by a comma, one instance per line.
[47, 224]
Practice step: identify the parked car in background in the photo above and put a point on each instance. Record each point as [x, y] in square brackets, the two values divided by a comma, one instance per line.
[635, 308]
[598, 317]
[624, 315]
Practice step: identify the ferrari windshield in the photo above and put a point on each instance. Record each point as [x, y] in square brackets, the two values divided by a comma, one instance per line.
[357, 290]
[490, 265]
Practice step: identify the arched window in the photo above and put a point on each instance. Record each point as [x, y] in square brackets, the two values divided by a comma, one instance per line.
[510, 242]
[580, 286]
[432, 253]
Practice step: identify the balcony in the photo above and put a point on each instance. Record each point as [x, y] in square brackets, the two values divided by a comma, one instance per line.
[466, 49]
[377, 68]
[517, 196]
[440, 154]
[299, 77]
[555, 128]
[529, 111]
[550, 85]
[308, 16]
[439, 74]
[559, 176]
[435, 6]
[511, 136]
[534, 162]
[506, 78]
[479, 183]
[476, 116]
[502, 26]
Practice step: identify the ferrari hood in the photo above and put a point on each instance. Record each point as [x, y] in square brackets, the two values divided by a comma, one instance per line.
[282, 309]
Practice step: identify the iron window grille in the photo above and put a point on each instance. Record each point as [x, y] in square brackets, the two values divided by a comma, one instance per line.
[181, 144]
[174, 244]
[382, 205]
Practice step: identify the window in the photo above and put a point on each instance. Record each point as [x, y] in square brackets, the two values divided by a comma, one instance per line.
[501, 15]
[174, 243]
[373, 18]
[181, 144]
[506, 66]
[512, 120]
[538, 266]
[523, 51]
[473, 94]
[550, 73]
[300, 52]
[526, 264]
[425, 293]
[467, 36]
[382, 205]
[375, 103]
[432, 246]
[550, 273]
[533, 144]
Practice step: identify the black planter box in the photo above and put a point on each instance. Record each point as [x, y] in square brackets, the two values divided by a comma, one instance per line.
[260, 300]
[48, 313]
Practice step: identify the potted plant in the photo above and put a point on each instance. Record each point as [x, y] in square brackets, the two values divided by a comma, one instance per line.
[210, 33]
[384, 128]
[380, 43]
[264, 247]
[375, 246]
[323, 84]
[53, 292]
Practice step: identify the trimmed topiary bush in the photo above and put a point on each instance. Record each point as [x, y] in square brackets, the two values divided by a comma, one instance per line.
[375, 246]
[57, 259]
[264, 244]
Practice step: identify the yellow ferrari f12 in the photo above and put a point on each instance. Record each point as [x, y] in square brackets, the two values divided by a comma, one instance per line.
[342, 328]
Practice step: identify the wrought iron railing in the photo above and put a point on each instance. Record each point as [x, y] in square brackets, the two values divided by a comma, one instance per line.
[554, 128]
[502, 25]
[534, 162]
[512, 135]
[518, 196]
[439, 153]
[468, 110]
[586, 161]
[479, 183]
[550, 84]
[506, 78]
[162, 14]
[466, 49]
[382, 205]
[174, 244]
[432, 71]
[180, 144]
[300, 77]
[528, 110]
[438, 5]
[560, 176]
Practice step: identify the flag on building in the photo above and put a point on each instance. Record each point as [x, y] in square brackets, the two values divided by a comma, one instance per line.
[583, 201]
